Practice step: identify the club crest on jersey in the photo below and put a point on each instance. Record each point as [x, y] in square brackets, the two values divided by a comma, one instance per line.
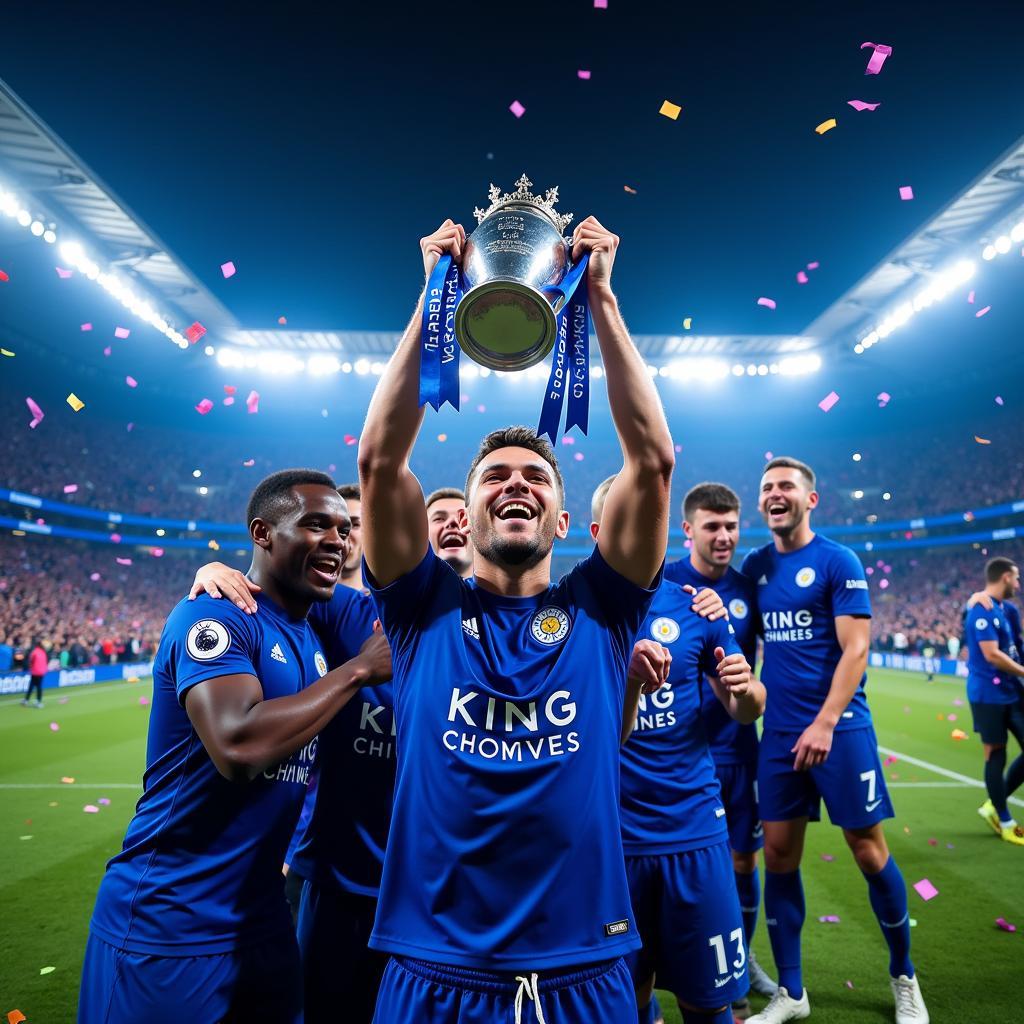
[321, 663]
[207, 639]
[550, 625]
[738, 608]
[805, 577]
[665, 630]
[981, 623]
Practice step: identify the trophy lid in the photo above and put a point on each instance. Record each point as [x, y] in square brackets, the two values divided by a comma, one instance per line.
[545, 204]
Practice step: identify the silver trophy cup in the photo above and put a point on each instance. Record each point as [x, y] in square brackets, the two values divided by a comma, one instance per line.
[505, 320]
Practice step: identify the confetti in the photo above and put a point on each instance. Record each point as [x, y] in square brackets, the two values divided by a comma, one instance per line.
[958, 703]
[959, 734]
[230, 400]
[351, 439]
[828, 401]
[925, 890]
[601, 5]
[229, 389]
[282, 320]
[999, 399]
[877, 58]
[1005, 925]
[143, 701]
[4, 276]
[47, 970]
[195, 332]
[157, 552]
[70, 488]
[129, 427]
[849, 984]
[5, 352]
[94, 577]
[950, 717]
[568, 440]
[68, 780]
[906, 192]
[64, 274]
[891, 759]
[123, 561]
[115, 538]
[933, 842]
[982, 440]
[883, 399]
[827, 857]
[829, 919]
[801, 277]
[861, 105]
[770, 303]
[442, 438]
[585, 75]
[131, 381]
[15, 1017]
[107, 351]
[670, 110]
[813, 266]
[982, 312]
[517, 108]
[204, 406]
[24, 838]
[687, 323]
[104, 801]
[252, 402]
[228, 269]
[629, 189]
[970, 297]
[826, 126]
[54, 727]
[37, 413]
[213, 546]
[121, 332]
[249, 462]
[75, 402]
[85, 327]
[578, 456]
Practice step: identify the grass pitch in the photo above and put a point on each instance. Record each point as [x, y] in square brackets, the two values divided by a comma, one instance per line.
[969, 968]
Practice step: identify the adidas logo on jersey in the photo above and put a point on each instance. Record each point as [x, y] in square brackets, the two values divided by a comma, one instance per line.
[470, 627]
[278, 655]
[763, 581]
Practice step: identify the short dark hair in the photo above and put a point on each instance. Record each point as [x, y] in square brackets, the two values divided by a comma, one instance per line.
[350, 491]
[996, 568]
[788, 462]
[517, 437]
[273, 496]
[711, 497]
[443, 493]
[599, 497]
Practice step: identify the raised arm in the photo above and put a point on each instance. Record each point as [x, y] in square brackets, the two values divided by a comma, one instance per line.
[634, 526]
[394, 519]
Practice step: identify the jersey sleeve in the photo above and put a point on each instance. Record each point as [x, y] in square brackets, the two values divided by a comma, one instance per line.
[717, 634]
[209, 639]
[342, 624]
[749, 564]
[623, 604]
[981, 625]
[849, 585]
[404, 604]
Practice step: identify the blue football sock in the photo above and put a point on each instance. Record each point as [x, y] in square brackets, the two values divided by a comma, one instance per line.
[1015, 776]
[995, 783]
[749, 889]
[888, 894]
[784, 912]
[722, 1016]
[647, 1014]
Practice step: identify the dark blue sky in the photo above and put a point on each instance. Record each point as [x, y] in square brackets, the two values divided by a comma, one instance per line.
[313, 147]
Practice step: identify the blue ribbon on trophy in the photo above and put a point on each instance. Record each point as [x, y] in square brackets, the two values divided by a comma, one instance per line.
[522, 299]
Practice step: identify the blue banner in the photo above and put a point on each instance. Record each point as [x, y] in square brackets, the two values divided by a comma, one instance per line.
[439, 351]
[17, 682]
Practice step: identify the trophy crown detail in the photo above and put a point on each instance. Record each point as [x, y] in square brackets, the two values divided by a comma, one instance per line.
[522, 194]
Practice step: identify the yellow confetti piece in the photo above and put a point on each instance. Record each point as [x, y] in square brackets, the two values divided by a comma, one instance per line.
[47, 970]
[213, 546]
[826, 126]
[670, 109]
[68, 779]
[4, 352]
[75, 402]
[687, 322]
[982, 440]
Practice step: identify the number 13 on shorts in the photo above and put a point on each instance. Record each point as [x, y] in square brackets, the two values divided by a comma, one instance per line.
[717, 943]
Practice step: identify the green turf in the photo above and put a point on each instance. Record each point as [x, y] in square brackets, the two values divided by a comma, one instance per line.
[968, 968]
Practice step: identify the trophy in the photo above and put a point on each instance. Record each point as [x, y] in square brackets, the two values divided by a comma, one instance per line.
[512, 267]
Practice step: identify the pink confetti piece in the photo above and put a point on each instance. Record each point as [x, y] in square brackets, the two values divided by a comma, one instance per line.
[906, 192]
[204, 406]
[813, 266]
[95, 577]
[228, 269]
[970, 297]
[849, 984]
[54, 727]
[958, 703]
[827, 857]
[950, 717]
[91, 809]
[351, 439]
[37, 413]
[801, 277]
[770, 303]
[982, 312]
[107, 351]
[585, 75]
[115, 538]
[121, 332]
[230, 400]
[229, 389]
[4, 276]
[130, 427]
[64, 274]
[517, 108]
[123, 561]
[925, 890]
[249, 462]
[131, 381]
[877, 58]
[252, 402]
[1005, 925]
[104, 801]
[578, 456]
[829, 919]
[861, 105]
[891, 759]
[999, 400]
[195, 332]
[933, 842]
[601, 5]
[85, 327]
[828, 401]
[679, 448]
[883, 399]
[143, 701]
[568, 440]
[157, 552]
[70, 488]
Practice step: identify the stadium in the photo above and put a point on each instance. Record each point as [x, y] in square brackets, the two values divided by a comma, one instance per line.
[207, 261]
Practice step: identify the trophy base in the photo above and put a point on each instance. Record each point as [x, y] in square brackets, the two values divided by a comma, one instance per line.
[505, 325]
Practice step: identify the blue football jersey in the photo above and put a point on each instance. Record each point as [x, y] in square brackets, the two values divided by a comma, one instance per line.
[671, 799]
[1013, 617]
[799, 594]
[985, 684]
[345, 838]
[200, 869]
[505, 847]
[730, 742]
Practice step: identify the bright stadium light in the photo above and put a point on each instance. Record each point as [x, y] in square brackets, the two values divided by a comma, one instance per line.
[797, 366]
[1002, 244]
[1017, 233]
[323, 366]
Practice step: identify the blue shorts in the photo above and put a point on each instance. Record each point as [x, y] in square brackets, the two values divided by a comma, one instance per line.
[739, 798]
[428, 993]
[851, 781]
[338, 968]
[260, 983]
[994, 721]
[689, 919]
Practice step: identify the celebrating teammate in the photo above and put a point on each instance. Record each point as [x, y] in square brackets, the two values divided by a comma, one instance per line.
[711, 522]
[450, 542]
[818, 741]
[994, 671]
[352, 570]
[505, 859]
[673, 824]
[190, 921]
